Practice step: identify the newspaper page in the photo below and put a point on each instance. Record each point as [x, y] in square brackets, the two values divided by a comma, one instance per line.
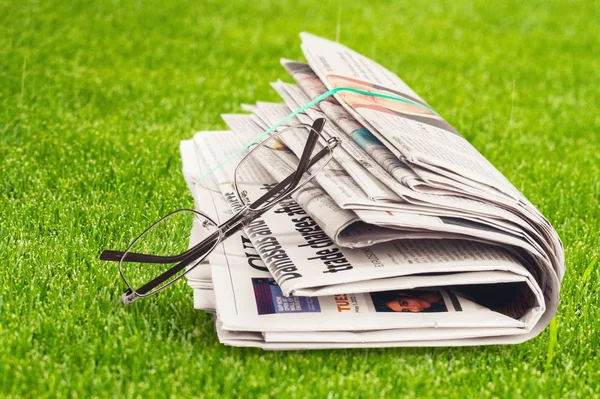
[313, 260]
[249, 299]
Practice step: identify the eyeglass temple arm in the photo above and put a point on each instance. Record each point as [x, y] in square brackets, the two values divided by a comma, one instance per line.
[305, 162]
[149, 286]
[316, 129]
[117, 256]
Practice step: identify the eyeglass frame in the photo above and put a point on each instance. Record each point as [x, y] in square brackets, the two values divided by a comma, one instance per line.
[245, 215]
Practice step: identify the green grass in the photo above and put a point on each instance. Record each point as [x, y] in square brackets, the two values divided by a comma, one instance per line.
[95, 97]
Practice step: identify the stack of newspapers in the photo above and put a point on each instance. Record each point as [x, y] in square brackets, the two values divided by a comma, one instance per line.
[408, 237]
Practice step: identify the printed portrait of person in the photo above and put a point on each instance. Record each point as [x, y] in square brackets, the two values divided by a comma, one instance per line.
[414, 109]
[413, 301]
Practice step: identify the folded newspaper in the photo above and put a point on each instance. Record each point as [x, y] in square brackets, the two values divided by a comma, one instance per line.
[409, 236]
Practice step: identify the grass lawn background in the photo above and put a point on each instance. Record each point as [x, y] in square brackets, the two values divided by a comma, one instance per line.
[95, 97]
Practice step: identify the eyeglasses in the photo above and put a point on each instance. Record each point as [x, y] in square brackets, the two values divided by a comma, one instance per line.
[159, 256]
[157, 251]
